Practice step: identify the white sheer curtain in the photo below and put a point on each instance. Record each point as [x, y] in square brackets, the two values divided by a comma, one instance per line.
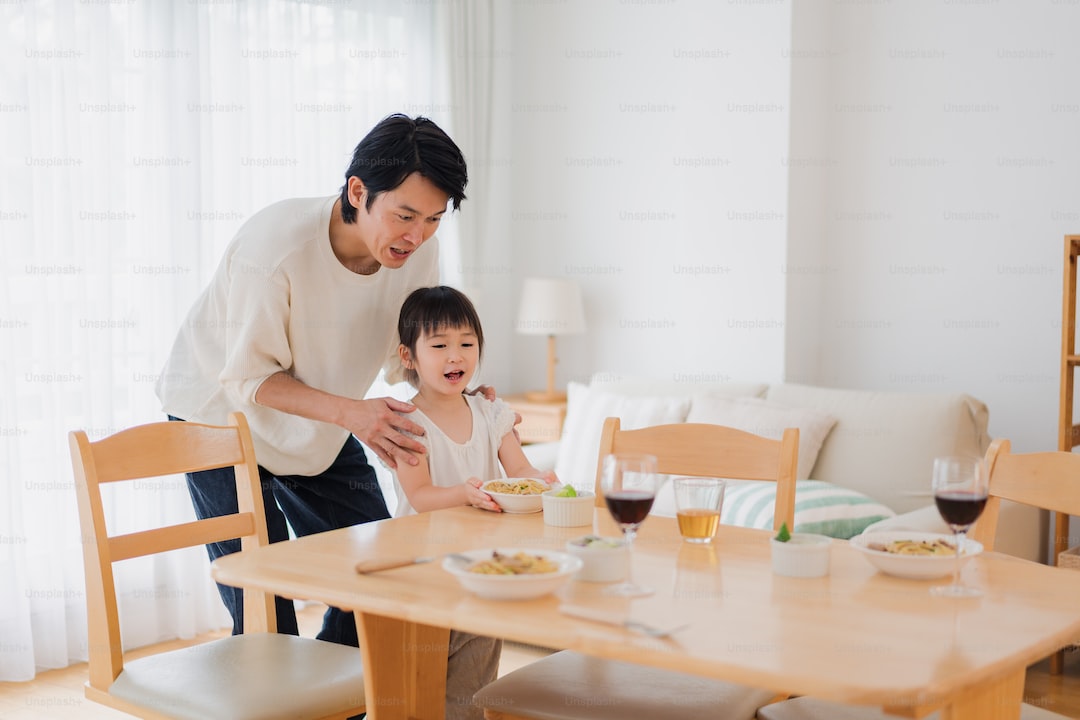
[475, 38]
[136, 138]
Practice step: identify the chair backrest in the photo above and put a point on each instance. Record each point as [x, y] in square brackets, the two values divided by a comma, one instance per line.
[711, 451]
[148, 451]
[1048, 480]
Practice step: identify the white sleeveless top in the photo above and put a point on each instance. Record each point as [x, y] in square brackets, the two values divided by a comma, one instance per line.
[451, 463]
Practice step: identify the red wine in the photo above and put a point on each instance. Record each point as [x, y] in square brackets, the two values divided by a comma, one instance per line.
[960, 509]
[629, 507]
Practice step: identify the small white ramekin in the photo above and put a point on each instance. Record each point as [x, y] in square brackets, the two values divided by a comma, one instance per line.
[603, 559]
[568, 511]
[805, 555]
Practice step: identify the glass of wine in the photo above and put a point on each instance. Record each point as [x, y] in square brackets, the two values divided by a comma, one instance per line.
[960, 491]
[628, 483]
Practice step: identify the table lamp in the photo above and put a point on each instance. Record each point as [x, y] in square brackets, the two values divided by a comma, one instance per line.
[550, 306]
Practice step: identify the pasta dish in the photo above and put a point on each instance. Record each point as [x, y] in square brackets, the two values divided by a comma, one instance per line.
[917, 547]
[518, 564]
[521, 486]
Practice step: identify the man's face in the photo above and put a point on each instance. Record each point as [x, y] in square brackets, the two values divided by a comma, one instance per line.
[400, 220]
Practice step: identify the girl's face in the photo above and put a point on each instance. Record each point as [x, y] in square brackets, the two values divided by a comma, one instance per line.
[446, 360]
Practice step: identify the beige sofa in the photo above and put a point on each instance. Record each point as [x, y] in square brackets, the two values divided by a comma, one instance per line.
[865, 457]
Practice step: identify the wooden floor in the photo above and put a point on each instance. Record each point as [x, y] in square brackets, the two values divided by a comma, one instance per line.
[58, 694]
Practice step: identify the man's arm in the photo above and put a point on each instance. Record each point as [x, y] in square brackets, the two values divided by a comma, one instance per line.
[374, 421]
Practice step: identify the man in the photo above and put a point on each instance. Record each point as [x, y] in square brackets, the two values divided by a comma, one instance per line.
[294, 327]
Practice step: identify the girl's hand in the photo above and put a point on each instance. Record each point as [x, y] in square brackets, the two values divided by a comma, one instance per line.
[487, 391]
[476, 497]
[489, 394]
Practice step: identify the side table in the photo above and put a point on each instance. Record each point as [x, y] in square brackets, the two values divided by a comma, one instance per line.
[541, 421]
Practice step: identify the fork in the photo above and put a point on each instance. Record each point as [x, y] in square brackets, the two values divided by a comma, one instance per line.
[369, 566]
[587, 613]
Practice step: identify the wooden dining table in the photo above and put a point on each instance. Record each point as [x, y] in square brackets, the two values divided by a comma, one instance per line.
[856, 636]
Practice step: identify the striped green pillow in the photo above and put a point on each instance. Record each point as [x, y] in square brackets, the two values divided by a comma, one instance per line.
[820, 507]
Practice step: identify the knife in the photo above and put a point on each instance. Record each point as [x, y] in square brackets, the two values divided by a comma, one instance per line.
[369, 566]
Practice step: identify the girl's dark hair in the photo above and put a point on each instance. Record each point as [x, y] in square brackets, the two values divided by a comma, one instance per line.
[430, 309]
[396, 148]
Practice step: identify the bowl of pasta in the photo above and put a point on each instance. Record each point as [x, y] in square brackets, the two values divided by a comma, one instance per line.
[914, 555]
[512, 573]
[517, 495]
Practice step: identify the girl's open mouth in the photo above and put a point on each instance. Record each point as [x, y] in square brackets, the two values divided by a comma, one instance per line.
[454, 376]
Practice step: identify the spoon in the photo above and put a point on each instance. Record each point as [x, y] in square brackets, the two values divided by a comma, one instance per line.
[588, 613]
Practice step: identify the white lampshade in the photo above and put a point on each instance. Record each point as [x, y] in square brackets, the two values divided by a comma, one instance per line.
[550, 306]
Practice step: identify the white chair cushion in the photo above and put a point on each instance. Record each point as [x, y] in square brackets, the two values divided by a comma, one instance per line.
[568, 686]
[268, 676]
[807, 708]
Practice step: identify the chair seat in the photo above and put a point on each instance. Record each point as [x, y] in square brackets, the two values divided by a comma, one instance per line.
[571, 686]
[280, 677]
[808, 708]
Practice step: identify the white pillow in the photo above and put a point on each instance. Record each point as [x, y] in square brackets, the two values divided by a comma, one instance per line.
[586, 410]
[767, 419]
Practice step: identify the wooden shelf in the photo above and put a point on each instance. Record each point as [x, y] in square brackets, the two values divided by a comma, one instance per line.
[1068, 430]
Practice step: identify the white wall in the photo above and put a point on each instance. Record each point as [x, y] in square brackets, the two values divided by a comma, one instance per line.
[952, 147]
[647, 147]
[929, 149]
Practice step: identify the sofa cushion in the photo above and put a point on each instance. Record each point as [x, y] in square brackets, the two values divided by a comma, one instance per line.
[891, 434]
[586, 410]
[820, 507]
[926, 519]
[767, 419]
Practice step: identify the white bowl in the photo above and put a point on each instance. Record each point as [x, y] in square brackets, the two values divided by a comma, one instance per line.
[512, 587]
[916, 567]
[515, 503]
[604, 559]
[805, 555]
[568, 511]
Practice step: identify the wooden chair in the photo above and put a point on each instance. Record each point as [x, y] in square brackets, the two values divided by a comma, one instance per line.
[1049, 480]
[566, 685]
[260, 674]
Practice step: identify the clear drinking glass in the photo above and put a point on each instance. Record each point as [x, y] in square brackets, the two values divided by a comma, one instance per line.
[698, 502]
[960, 491]
[628, 483]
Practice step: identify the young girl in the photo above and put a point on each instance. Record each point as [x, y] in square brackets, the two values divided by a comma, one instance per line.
[467, 437]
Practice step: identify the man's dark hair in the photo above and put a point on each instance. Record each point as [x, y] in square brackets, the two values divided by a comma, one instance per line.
[430, 309]
[396, 148]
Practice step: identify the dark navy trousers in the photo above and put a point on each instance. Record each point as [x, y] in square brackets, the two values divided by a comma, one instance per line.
[347, 493]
